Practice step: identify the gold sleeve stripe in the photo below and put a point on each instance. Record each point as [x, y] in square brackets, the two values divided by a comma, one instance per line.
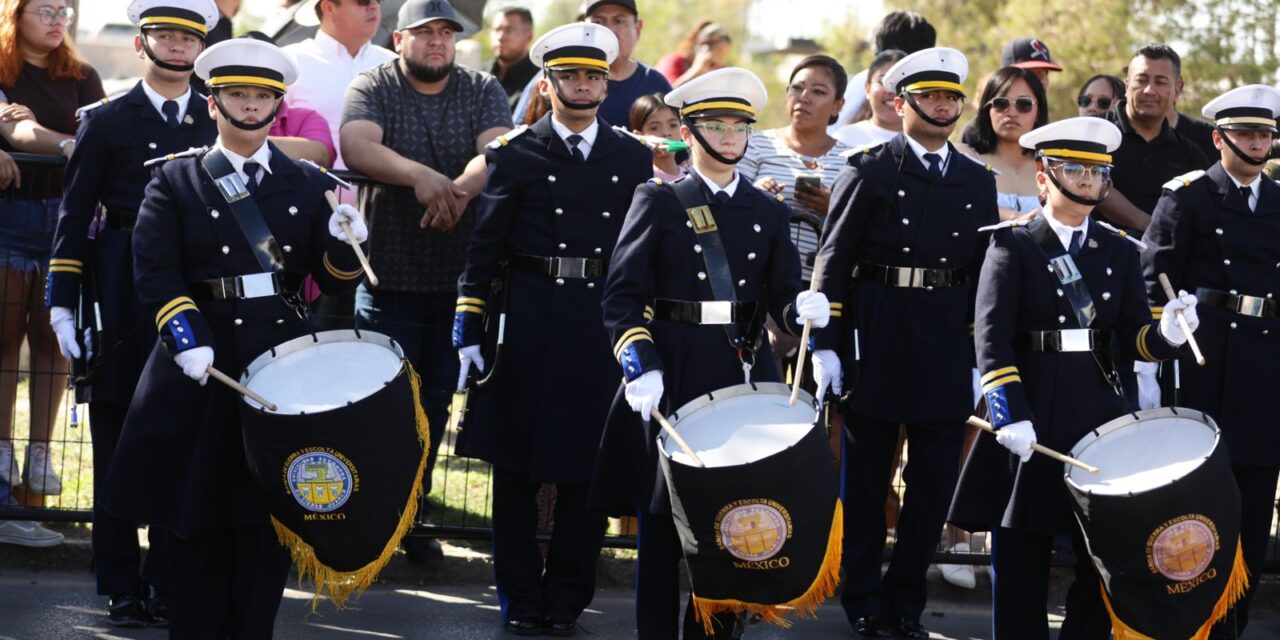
[1157, 313]
[58, 268]
[837, 305]
[68, 262]
[163, 320]
[1000, 382]
[339, 273]
[836, 313]
[637, 333]
[648, 312]
[1142, 344]
[991, 375]
[469, 309]
[164, 311]
[472, 301]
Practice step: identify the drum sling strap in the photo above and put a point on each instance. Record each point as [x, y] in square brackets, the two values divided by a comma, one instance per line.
[740, 334]
[1076, 292]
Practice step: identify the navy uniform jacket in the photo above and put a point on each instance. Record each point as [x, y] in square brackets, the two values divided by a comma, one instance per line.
[913, 344]
[658, 256]
[544, 408]
[1064, 395]
[1202, 234]
[114, 141]
[180, 461]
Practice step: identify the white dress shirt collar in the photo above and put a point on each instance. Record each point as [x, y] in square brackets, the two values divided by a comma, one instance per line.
[588, 135]
[730, 188]
[1254, 188]
[262, 156]
[1064, 232]
[158, 100]
[944, 153]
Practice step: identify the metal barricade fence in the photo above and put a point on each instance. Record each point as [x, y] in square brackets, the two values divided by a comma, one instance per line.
[33, 396]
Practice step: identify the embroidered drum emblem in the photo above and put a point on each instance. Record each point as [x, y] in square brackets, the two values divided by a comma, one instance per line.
[753, 530]
[319, 480]
[1182, 549]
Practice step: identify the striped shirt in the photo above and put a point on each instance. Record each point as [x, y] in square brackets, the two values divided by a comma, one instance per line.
[768, 156]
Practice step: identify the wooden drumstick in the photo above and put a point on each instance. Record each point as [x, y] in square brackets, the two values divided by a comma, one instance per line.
[1037, 447]
[804, 335]
[1182, 320]
[332, 199]
[227, 380]
[675, 435]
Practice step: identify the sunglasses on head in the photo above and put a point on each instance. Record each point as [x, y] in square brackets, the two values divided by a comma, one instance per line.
[1104, 102]
[1023, 104]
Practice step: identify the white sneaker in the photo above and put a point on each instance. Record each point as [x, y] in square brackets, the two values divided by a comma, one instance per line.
[960, 575]
[8, 466]
[38, 474]
[28, 534]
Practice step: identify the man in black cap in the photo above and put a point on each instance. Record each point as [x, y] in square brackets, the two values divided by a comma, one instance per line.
[1030, 54]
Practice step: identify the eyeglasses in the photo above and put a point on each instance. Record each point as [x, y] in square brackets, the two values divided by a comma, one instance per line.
[1076, 170]
[1104, 102]
[50, 16]
[721, 129]
[1023, 104]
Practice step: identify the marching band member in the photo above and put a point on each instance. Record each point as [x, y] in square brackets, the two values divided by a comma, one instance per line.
[1059, 297]
[699, 264]
[1217, 233]
[551, 211]
[901, 250]
[160, 115]
[222, 242]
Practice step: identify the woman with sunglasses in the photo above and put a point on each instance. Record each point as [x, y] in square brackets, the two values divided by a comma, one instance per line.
[1013, 103]
[1049, 290]
[1098, 93]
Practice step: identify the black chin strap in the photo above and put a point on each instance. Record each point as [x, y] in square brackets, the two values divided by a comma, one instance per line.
[1106, 188]
[146, 48]
[555, 85]
[217, 101]
[688, 122]
[911, 100]
[1243, 156]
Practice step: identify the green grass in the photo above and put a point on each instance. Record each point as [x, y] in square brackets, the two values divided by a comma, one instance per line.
[70, 450]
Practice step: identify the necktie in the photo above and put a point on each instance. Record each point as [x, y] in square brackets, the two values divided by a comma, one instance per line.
[574, 151]
[251, 170]
[1077, 239]
[935, 166]
[723, 197]
[170, 109]
[1247, 194]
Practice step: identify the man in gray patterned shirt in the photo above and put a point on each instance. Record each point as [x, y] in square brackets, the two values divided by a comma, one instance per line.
[418, 125]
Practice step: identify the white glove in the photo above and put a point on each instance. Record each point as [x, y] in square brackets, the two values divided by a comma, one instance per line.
[1169, 327]
[813, 305]
[828, 372]
[470, 356]
[352, 215]
[644, 392]
[1017, 438]
[63, 322]
[1148, 387]
[977, 387]
[195, 363]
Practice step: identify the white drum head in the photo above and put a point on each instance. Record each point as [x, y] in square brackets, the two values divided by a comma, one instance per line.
[1137, 455]
[741, 425]
[305, 376]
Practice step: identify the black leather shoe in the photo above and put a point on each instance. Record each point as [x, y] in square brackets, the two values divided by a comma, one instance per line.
[422, 550]
[126, 611]
[871, 627]
[560, 628]
[911, 629]
[524, 627]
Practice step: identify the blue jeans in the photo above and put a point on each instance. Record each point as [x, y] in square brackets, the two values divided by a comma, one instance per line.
[422, 324]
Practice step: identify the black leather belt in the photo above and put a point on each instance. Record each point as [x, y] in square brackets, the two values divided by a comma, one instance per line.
[121, 219]
[1063, 341]
[246, 287]
[708, 312]
[909, 277]
[1244, 305]
[560, 267]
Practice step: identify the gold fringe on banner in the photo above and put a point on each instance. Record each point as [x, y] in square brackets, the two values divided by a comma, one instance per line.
[823, 586]
[338, 586]
[1236, 585]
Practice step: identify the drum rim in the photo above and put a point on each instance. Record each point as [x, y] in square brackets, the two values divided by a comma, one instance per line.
[290, 347]
[747, 389]
[1127, 419]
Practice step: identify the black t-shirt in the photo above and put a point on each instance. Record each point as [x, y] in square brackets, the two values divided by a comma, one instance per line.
[515, 79]
[1142, 167]
[1199, 132]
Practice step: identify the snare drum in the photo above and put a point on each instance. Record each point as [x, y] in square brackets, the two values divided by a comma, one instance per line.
[761, 524]
[340, 459]
[1162, 521]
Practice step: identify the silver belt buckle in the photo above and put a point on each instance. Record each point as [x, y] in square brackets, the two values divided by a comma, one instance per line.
[257, 285]
[1075, 340]
[904, 276]
[1250, 306]
[718, 312]
[570, 267]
